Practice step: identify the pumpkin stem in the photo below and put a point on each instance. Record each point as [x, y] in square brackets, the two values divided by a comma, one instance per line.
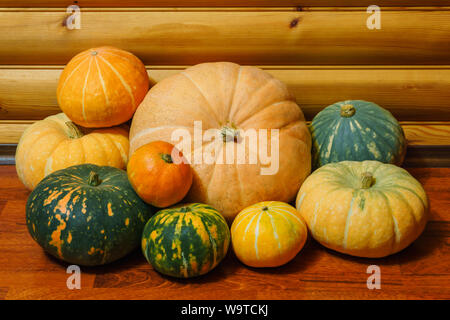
[265, 208]
[74, 131]
[166, 157]
[229, 134]
[347, 110]
[94, 179]
[367, 180]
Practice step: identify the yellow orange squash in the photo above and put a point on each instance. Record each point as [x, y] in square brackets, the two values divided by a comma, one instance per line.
[156, 177]
[365, 209]
[235, 101]
[268, 234]
[56, 143]
[102, 87]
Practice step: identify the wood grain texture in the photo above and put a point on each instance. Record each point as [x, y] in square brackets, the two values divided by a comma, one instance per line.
[419, 272]
[409, 92]
[261, 38]
[11, 131]
[423, 133]
[417, 133]
[3, 292]
[218, 3]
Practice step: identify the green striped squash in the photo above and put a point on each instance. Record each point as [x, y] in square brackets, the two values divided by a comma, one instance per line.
[86, 215]
[356, 130]
[186, 240]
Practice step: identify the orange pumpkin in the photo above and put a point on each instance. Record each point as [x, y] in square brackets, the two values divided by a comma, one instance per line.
[102, 87]
[56, 143]
[156, 177]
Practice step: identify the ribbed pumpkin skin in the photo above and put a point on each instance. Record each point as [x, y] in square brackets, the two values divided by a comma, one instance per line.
[221, 95]
[84, 224]
[366, 222]
[186, 241]
[47, 146]
[102, 87]
[268, 234]
[372, 133]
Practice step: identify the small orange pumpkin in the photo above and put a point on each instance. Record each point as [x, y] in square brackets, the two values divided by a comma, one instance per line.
[102, 87]
[268, 234]
[156, 177]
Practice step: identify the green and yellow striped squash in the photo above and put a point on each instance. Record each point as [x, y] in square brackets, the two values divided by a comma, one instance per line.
[356, 130]
[86, 214]
[186, 240]
[365, 209]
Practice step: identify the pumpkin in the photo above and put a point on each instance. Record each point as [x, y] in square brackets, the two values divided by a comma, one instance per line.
[268, 234]
[156, 177]
[232, 102]
[186, 240]
[86, 215]
[365, 209]
[356, 130]
[102, 87]
[56, 143]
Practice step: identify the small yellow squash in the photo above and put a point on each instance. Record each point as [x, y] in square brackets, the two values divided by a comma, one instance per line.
[57, 143]
[268, 234]
[365, 209]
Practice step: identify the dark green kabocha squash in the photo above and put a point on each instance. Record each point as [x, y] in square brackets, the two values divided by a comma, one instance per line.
[356, 130]
[86, 215]
[186, 240]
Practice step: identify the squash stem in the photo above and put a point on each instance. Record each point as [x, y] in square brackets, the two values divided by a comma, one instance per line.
[367, 180]
[74, 131]
[94, 179]
[229, 134]
[166, 157]
[347, 110]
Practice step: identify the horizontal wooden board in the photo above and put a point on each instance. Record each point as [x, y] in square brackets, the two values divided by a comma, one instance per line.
[428, 134]
[410, 93]
[264, 38]
[10, 131]
[428, 157]
[218, 3]
[417, 133]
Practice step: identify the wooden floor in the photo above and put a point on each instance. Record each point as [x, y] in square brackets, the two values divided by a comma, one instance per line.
[421, 271]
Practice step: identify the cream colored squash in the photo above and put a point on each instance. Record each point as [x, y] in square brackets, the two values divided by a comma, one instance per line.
[228, 97]
[365, 209]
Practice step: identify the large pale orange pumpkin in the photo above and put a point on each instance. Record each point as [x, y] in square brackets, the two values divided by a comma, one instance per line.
[232, 99]
[102, 87]
[155, 176]
[56, 143]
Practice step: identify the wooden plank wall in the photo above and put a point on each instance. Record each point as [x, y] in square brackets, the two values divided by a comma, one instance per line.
[322, 49]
